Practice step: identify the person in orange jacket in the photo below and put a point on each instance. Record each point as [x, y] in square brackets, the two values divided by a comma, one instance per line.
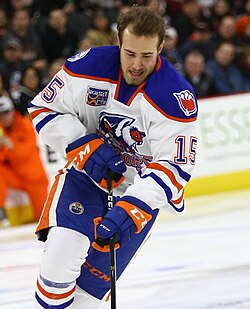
[21, 166]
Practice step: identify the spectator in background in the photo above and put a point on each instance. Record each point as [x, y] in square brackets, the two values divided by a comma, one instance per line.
[195, 73]
[243, 33]
[116, 9]
[80, 22]
[228, 77]
[187, 21]
[247, 7]
[22, 28]
[227, 28]
[84, 44]
[237, 6]
[29, 87]
[20, 163]
[170, 49]
[220, 9]
[12, 64]
[3, 91]
[3, 24]
[54, 67]
[160, 6]
[101, 33]
[227, 33]
[57, 39]
[174, 9]
[201, 39]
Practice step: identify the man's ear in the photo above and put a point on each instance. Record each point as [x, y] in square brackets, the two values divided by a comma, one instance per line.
[160, 47]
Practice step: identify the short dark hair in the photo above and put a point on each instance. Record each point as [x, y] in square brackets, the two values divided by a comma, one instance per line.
[144, 21]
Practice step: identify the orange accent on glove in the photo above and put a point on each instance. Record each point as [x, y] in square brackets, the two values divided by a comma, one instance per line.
[105, 248]
[80, 155]
[115, 184]
[139, 216]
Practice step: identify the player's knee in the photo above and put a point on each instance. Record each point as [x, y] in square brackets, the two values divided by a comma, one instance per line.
[64, 252]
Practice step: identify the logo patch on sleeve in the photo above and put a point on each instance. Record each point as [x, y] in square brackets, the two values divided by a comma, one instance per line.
[78, 56]
[97, 97]
[186, 102]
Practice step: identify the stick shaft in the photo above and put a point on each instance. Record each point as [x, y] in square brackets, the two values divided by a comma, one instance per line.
[112, 254]
[112, 273]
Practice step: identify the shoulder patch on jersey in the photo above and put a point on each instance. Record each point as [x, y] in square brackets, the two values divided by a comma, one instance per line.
[78, 56]
[168, 92]
[96, 96]
[186, 102]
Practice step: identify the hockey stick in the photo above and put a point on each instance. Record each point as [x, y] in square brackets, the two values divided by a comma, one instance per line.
[112, 241]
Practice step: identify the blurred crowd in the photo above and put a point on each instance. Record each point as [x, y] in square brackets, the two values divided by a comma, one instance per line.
[208, 41]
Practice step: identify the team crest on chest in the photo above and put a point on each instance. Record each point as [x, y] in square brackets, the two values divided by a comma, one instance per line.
[96, 96]
[126, 136]
[121, 133]
[186, 102]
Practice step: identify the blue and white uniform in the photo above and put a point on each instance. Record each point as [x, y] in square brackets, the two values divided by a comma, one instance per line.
[153, 128]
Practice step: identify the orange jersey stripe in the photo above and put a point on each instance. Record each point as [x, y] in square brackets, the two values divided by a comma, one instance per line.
[118, 85]
[89, 77]
[158, 65]
[52, 295]
[38, 112]
[177, 201]
[170, 174]
[165, 114]
[138, 90]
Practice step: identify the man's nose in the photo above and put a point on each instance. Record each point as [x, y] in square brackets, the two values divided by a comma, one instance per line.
[137, 64]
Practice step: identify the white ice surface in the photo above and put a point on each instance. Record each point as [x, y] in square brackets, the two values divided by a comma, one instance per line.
[199, 260]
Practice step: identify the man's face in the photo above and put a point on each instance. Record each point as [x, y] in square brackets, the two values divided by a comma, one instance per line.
[194, 65]
[225, 54]
[138, 57]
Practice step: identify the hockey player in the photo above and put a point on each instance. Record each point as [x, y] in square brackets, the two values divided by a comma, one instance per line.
[127, 109]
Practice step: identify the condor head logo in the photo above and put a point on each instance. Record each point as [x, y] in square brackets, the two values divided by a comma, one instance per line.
[186, 102]
[120, 129]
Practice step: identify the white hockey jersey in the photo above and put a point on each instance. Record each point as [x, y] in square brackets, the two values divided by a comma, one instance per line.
[152, 126]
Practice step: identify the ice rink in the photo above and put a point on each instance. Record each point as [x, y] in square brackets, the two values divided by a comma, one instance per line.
[199, 260]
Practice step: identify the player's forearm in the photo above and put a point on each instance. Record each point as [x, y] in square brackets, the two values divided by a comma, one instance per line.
[161, 184]
[59, 132]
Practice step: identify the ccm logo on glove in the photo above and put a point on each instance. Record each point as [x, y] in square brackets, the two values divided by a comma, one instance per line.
[139, 216]
[94, 156]
[127, 218]
[80, 155]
